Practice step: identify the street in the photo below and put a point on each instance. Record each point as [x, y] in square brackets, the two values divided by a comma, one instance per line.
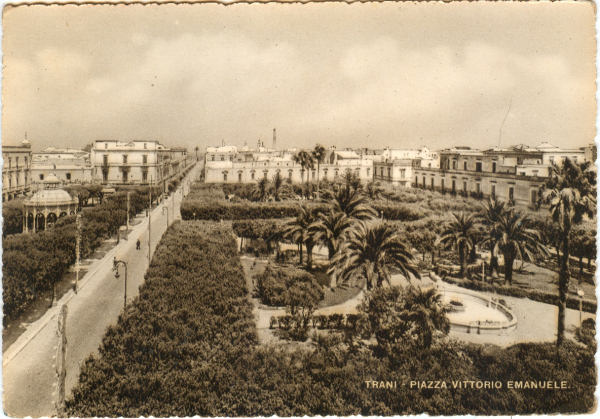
[29, 375]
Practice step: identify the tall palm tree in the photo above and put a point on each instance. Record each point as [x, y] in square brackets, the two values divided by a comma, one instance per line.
[491, 212]
[318, 154]
[571, 193]
[460, 234]
[516, 240]
[352, 203]
[369, 252]
[330, 229]
[262, 189]
[305, 160]
[297, 231]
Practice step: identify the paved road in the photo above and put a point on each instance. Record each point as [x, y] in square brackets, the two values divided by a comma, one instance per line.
[29, 377]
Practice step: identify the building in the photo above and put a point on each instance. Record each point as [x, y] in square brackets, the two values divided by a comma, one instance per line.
[68, 165]
[228, 164]
[16, 171]
[512, 174]
[136, 162]
[396, 166]
[47, 205]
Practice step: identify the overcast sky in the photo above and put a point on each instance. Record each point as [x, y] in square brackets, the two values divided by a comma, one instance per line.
[361, 75]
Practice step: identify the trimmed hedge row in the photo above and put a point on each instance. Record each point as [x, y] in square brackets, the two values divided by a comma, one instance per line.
[336, 321]
[216, 210]
[535, 295]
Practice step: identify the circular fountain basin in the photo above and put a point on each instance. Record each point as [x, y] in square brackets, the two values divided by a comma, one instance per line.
[474, 313]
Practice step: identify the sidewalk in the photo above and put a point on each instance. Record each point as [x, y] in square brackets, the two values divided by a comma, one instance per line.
[29, 376]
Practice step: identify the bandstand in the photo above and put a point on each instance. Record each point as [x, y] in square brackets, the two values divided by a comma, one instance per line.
[47, 205]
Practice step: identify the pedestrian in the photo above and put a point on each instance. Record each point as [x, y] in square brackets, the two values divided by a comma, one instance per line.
[137, 244]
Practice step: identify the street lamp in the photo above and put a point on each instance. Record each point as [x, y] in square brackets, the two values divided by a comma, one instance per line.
[116, 264]
[580, 293]
[163, 211]
[77, 251]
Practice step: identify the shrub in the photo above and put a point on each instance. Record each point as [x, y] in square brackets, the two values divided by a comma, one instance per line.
[278, 286]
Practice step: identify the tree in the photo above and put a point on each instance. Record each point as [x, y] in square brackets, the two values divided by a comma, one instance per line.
[318, 154]
[491, 212]
[329, 229]
[373, 190]
[277, 182]
[262, 189]
[353, 204]
[297, 231]
[305, 160]
[571, 194]
[516, 240]
[459, 234]
[369, 252]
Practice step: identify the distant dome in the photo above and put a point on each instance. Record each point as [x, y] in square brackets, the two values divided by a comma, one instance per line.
[50, 197]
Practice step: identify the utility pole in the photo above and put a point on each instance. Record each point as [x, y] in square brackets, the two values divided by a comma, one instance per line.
[149, 218]
[77, 251]
[116, 264]
[61, 355]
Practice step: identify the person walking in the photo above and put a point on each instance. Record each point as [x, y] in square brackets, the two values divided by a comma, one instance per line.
[137, 244]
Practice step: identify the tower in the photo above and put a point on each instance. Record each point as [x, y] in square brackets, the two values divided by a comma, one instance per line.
[274, 138]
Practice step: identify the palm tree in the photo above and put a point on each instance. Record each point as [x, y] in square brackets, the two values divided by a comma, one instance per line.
[491, 212]
[459, 234]
[373, 190]
[516, 240]
[318, 154]
[262, 189]
[571, 193]
[369, 252]
[297, 231]
[330, 229]
[350, 202]
[428, 312]
[305, 160]
[277, 182]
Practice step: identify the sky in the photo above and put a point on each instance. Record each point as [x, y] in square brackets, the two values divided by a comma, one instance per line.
[402, 75]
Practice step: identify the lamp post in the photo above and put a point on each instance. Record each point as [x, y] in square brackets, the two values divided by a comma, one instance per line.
[580, 293]
[116, 264]
[163, 211]
[127, 231]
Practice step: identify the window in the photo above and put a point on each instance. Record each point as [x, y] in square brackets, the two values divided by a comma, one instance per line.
[313, 173]
[125, 175]
[493, 167]
[442, 185]
[423, 181]
[144, 176]
[124, 158]
[465, 186]
[145, 159]
[145, 146]
[453, 186]
[511, 193]
[105, 146]
[324, 174]
[17, 161]
[368, 171]
[222, 157]
[465, 165]
[9, 162]
[265, 174]
[290, 174]
[224, 176]
[478, 187]
[105, 160]
[105, 175]
[41, 176]
[389, 172]
[252, 175]
[402, 173]
[212, 158]
[68, 175]
[432, 185]
[240, 177]
[478, 166]
[454, 164]
[25, 161]
[493, 191]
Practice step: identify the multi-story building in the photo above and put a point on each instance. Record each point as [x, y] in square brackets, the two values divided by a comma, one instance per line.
[16, 171]
[136, 162]
[68, 165]
[512, 174]
[395, 167]
[227, 164]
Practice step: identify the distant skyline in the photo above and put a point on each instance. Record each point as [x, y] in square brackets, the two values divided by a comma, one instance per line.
[403, 75]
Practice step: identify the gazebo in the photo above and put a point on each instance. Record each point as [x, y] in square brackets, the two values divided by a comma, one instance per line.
[47, 205]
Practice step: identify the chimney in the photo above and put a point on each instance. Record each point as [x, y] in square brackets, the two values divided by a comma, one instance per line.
[274, 138]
